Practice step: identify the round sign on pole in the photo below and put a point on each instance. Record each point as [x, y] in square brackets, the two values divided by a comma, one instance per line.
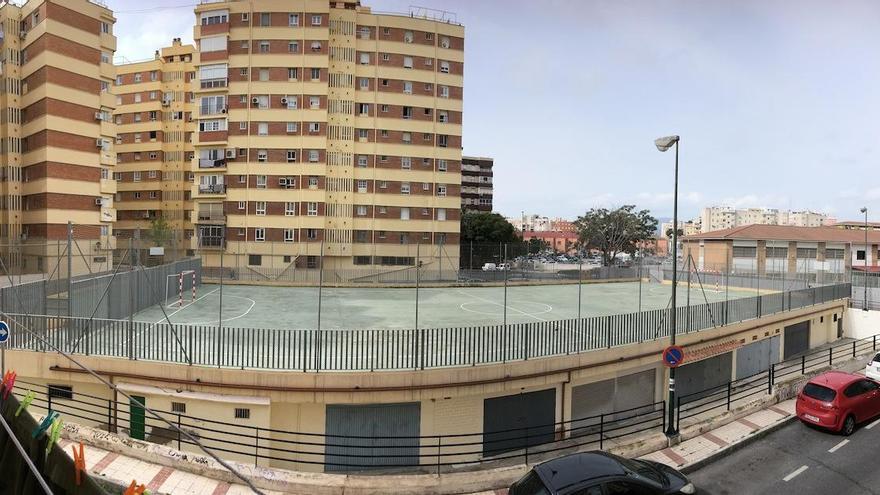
[673, 356]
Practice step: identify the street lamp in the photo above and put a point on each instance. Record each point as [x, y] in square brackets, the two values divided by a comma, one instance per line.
[664, 144]
[865, 304]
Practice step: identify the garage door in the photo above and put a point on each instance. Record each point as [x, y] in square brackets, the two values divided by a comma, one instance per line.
[505, 420]
[703, 375]
[797, 339]
[372, 421]
[757, 357]
[617, 394]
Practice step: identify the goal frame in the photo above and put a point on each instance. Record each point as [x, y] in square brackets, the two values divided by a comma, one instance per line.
[177, 280]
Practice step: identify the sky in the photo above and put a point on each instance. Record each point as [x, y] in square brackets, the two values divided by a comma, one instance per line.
[776, 102]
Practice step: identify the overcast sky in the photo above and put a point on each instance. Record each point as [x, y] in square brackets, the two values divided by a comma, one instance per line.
[776, 101]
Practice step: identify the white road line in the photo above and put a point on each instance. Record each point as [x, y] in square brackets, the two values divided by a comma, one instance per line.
[872, 424]
[499, 304]
[795, 473]
[836, 447]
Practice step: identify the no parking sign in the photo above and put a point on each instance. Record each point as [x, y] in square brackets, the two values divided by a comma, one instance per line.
[673, 356]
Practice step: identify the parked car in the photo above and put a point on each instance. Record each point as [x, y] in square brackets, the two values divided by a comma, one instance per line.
[872, 370]
[488, 267]
[503, 266]
[601, 473]
[838, 401]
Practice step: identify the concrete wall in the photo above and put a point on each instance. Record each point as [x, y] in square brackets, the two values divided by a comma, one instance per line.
[858, 324]
[451, 399]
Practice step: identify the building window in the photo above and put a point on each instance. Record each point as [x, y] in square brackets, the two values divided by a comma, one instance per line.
[289, 209]
[241, 205]
[444, 91]
[292, 127]
[441, 165]
[263, 129]
[443, 141]
[745, 251]
[407, 62]
[314, 127]
[291, 154]
[406, 137]
[860, 255]
[404, 213]
[261, 184]
[288, 235]
[255, 260]
[311, 209]
[262, 156]
[406, 162]
[293, 47]
[408, 87]
[292, 74]
[362, 161]
[444, 66]
[364, 83]
[265, 19]
[364, 58]
[264, 75]
[60, 391]
[407, 36]
[312, 234]
[178, 407]
[316, 74]
[259, 234]
[313, 182]
[293, 19]
[441, 190]
[313, 156]
[361, 186]
[383, 184]
[361, 210]
[314, 102]
[404, 188]
[316, 20]
[264, 46]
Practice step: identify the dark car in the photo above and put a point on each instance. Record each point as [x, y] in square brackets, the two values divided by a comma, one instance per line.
[601, 473]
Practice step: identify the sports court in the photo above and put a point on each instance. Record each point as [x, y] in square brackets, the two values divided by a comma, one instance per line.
[252, 306]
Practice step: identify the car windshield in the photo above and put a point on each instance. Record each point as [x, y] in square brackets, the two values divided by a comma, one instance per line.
[819, 392]
[644, 470]
[876, 359]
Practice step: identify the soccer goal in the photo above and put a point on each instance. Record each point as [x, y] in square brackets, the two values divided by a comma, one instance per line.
[180, 288]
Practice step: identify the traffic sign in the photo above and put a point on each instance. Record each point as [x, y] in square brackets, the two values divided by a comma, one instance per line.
[673, 356]
[4, 331]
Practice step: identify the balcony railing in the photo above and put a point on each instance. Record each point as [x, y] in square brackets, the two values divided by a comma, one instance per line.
[210, 242]
[211, 216]
[211, 163]
[212, 188]
[213, 83]
[212, 109]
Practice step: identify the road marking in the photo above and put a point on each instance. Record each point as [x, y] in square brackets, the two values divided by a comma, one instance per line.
[160, 320]
[872, 424]
[795, 473]
[841, 444]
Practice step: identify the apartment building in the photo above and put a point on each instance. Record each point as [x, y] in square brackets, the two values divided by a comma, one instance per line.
[476, 183]
[326, 129]
[725, 217]
[57, 132]
[154, 119]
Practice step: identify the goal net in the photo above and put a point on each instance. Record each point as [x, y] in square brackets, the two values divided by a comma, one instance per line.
[180, 288]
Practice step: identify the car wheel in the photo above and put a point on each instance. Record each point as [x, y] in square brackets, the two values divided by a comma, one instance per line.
[849, 426]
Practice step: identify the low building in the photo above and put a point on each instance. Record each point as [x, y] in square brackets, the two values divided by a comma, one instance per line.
[561, 242]
[811, 252]
[476, 183]
[856, 225]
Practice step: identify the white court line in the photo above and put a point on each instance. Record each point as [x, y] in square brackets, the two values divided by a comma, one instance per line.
[185, 306]
[872, 424]
[212, 322]
[841, 444]
[795, 473]
[508, 307]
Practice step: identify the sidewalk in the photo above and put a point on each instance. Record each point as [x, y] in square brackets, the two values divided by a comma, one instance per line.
[159, 480]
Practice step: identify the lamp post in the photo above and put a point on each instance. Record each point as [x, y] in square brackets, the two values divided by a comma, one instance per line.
[664, 144]
[865, 276]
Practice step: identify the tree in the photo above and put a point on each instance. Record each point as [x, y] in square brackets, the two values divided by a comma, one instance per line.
[669, 233]
[160, 231]
[537, 245]
[615, 231]
[485, 227]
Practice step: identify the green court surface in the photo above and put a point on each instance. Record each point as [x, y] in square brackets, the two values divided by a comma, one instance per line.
[252, 306]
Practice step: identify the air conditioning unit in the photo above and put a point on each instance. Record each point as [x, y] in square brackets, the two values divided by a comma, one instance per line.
[166, 103]
[99, 201]
[190, 118]
[99, 116]
[255, 101]
[223, 110]
[284, 101]
[230, 153]
[22, 34]
[99, 143]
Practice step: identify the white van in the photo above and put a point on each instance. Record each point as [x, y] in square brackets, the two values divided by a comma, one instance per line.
[488, 267]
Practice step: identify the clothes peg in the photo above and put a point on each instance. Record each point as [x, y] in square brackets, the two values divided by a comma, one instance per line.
[54, 434]
[45, 424]
[135, 489]
[8, 383]
[79, 462]
[25, 402]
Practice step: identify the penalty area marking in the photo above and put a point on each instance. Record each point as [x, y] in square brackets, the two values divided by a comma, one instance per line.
[547, 308]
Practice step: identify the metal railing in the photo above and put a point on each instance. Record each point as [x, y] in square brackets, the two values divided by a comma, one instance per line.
[391, 349]
[729, 395]
[425, 453]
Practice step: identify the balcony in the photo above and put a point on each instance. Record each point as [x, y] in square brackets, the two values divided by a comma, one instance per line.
[212, 188]
[210, 242]
[211, 216]
[213, 83]
[207, 110]
[211, 163]
[213, 136]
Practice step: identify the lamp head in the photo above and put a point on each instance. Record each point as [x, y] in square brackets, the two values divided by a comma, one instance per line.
[665, 143]
[864, 210]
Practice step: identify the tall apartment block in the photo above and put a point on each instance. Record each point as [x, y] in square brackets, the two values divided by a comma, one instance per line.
[326, 129]
[476, 183]
[155, 123]
[56, 130]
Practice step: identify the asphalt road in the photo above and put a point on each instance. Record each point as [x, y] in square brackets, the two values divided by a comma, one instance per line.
[800, 460]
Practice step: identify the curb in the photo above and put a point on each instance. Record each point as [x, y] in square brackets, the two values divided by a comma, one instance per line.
[724, 452]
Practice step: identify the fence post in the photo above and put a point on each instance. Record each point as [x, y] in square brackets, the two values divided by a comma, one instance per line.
[601, 430]
[439, 441]
[678, 412]
[830, 356]
[527, 446]
[110, 417]
[770, 380]
[178, 431]
[854, 348]
[728, 395]
[664, 415]
[257, 447]
[803, 364]
[875, 342]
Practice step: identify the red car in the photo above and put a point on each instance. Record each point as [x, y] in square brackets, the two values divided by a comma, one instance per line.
[838, 401]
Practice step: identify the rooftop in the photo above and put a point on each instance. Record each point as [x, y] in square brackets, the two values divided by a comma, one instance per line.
[789, 233]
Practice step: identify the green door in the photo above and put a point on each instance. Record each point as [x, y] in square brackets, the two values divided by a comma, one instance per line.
[136, 420]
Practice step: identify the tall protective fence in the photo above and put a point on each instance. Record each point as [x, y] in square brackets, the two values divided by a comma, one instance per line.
[369, 350]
